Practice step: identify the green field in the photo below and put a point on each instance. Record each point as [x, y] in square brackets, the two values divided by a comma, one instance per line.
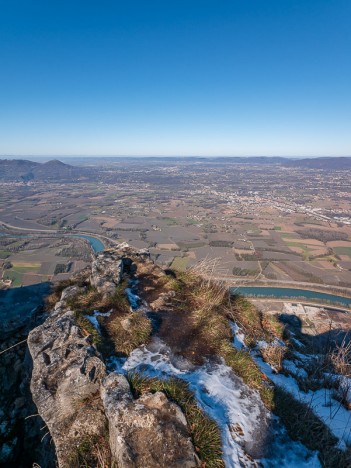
[180, 263]
[4, 254]
[170, 221]
[298, 244]
[15, 276]
[342, 250]
[15, 273]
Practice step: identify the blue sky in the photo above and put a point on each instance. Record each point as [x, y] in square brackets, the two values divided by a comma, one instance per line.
[175, 77]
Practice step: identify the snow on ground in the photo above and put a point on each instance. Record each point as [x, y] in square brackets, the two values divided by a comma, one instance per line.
[330, 411]
[132, 296]
[134, 299]
[239, 337]
[294, 369]
[93, 318]
[246, 425]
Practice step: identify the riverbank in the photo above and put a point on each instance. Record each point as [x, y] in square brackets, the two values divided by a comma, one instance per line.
[292, 294]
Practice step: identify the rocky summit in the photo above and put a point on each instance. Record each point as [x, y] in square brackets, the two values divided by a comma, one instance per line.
[86, 408]
[131, 365]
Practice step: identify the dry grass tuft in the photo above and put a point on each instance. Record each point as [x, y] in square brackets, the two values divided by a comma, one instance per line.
[93, 451]
[128, 331]
[201, 312]
[274, 355]
[250, 320]
[340, 358]
[86, 302]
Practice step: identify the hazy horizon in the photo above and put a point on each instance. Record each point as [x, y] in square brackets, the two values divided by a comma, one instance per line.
[92, 156]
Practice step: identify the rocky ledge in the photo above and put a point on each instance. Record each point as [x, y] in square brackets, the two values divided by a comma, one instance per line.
[90, 413]
[139, 367]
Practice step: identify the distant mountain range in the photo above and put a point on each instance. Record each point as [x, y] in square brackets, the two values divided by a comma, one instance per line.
[328, 163]
[23, 170]
[55, 170]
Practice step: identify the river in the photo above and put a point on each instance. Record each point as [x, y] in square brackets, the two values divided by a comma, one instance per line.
[291, 293]
[95, 243]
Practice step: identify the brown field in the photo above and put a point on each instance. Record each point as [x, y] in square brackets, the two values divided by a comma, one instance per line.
[106, 221]
[324, 264]
[167, 246]
[339, 243]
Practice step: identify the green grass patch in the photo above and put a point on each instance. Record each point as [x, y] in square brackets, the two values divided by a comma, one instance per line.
[180, 263]
[92, 451]
[277, 228]
[88, 328]
[204, 431]
[85, 302]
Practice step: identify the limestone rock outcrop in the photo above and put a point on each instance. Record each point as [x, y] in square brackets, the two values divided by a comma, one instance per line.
[81, 402]
[106, 273]
[150, 432]
[67, 371]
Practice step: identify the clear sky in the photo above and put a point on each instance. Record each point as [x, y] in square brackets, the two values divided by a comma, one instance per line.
[175, 77]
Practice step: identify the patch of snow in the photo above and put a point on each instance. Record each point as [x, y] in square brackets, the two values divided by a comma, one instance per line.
[291, 367]
[297, 343]
[93, 318]
[261, 344]
[330, 411]
[304, 357]
[246, 425]
[238, 335]
[296, 456]
[134, 299]
[344, 384]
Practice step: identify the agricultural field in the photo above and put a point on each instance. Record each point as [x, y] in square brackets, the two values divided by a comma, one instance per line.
[252, 220]
[31, 261]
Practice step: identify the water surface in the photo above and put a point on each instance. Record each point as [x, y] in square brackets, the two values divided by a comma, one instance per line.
[291, 293]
